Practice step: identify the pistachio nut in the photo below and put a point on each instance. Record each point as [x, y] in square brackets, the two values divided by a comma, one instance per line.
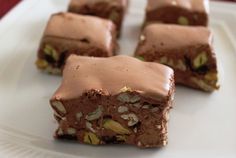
[211, 76]
[200, 60]
[132, 119]
[50, 51]
[41, 64]
[123, 97]
[122, 109]
[122, 138]
[59, 107]
[125, 89]
[89, 126]
[127, 98]
[181, 66]
[115, 127]
[203, 85]
[163, 60]
[182, 20]
[78, 116]
[91, 138]
[95, 114]
[52, 70]
[114, 16]
[140, 58]
[71, 131]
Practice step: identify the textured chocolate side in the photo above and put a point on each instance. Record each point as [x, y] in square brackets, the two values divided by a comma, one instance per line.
[66, 34]
[113, 10]
[191, 12]
[117, 100]
[188, 50]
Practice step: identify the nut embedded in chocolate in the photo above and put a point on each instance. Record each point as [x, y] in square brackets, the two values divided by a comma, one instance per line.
[99, 111]
[188, 50]
[65, 35]
[182, 12]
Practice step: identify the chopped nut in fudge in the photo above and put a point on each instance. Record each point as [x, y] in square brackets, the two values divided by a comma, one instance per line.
[68, 33]
[182, 12]
[188, 50]
[115, 100]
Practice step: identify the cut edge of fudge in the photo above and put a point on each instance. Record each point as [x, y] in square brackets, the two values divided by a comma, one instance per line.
[188, 50]
[182, 12]
[65, 34]
[102, 114]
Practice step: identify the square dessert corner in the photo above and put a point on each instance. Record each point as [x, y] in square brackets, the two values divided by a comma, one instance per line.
[113, 10]
[188, 50]
[115, 100]
[68, 33]
[182, 12]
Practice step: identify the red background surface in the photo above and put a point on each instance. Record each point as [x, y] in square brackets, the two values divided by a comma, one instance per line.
[6, 5]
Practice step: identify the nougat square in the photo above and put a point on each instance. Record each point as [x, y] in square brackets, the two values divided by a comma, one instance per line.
[113, 10]
[182, 12]
[115, 100]
[68, 33]
[188, 50]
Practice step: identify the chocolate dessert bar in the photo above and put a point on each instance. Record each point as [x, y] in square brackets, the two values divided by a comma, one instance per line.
[113, 10]
[188, 50]
[68, 33]
[183, 12]
[116, 100]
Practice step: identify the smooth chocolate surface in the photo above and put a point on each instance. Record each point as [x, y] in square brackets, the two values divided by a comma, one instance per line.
[169, 37]
[116, 100]
[183, 12]
[188, 50]
[111, 75]
[68, 33]
[113, 10]
[76, 27]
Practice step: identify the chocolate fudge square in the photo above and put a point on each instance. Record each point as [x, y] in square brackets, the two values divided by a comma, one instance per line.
[183, 12]
[115, 100]
[188, 50]
[113, 10]
[68, 33]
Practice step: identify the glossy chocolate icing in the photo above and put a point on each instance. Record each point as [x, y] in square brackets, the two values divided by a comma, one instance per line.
[76, 27]
[179, 47]
[193, 5]
[79, 3]
[169, 37]
[110, 75]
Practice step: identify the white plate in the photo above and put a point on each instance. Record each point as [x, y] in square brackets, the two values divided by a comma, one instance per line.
[201, 125]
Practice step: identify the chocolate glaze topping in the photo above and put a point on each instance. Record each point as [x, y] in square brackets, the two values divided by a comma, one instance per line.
[69, 25]
[193, 5]
[168, 37]
[82, 74]
[94, 2]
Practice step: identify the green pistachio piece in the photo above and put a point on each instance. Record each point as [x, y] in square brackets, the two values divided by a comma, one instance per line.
[182, 20]
[200, 60]
[49, 50]
[114, 16]
[115, 127]
[122, 138]
[91, 138]
[140, 58]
